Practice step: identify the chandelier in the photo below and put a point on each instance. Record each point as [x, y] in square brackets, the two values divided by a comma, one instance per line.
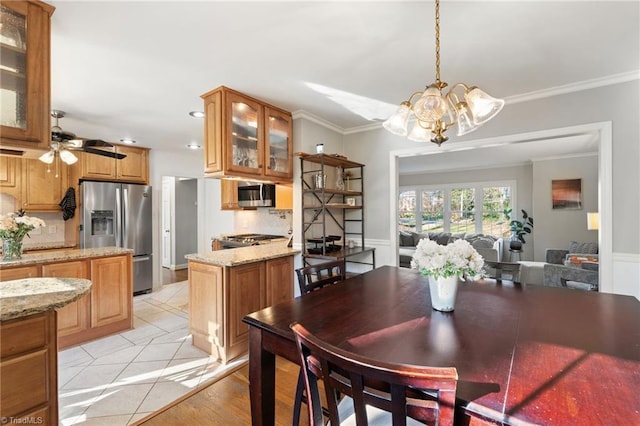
[435, 113]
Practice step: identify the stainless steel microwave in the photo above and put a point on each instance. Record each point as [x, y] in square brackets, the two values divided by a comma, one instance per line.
[255, 194]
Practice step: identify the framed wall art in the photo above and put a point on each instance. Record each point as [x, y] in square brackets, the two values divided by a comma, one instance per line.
[566, 194]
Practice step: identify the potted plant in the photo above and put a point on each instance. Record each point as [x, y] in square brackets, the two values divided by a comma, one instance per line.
[518, 229]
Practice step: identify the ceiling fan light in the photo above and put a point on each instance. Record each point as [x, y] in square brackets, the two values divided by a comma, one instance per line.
[398, 122]
[67, 157]
[431, 106]
[482, 106]
[420, 133]
[47, 157]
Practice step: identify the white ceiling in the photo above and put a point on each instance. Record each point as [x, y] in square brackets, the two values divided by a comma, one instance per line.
[135, 69]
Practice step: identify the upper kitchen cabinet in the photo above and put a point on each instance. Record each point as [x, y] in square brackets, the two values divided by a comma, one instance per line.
[25, 74]
[133, 168]
[246, 138]
[43, 185]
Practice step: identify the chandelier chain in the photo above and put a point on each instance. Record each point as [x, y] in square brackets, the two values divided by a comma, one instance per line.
[438, 42]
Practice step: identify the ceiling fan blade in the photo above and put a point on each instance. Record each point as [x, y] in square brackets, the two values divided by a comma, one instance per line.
[97, 142]
[115, 155]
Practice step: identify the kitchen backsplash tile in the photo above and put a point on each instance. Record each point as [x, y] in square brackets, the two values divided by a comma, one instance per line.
[261, 221]
[52, 233]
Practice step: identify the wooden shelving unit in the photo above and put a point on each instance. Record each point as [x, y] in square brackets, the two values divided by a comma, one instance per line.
[332, 216]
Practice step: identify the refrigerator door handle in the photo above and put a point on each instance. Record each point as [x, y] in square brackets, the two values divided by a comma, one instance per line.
[118, 219]
[141, 258]
[125, 212]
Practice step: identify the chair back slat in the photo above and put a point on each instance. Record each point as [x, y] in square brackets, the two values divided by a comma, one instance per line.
[425, 394]
[314, 277]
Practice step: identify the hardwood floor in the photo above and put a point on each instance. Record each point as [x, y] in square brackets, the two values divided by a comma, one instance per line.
[170, 277]
[226, 402]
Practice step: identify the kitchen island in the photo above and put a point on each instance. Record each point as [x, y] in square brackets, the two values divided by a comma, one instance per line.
[29, 353]
[107, 309]
[226, 285]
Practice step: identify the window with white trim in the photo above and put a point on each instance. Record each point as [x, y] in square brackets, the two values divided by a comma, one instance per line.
[456, 208]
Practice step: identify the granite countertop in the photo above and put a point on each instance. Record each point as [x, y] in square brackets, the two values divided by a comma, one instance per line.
[63, 255]
[20, 298]
[243, 255]
[47, 246]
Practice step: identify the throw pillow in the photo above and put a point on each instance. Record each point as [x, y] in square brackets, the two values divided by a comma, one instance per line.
[585, 248]
[578, 260]
[441, 238]
[417, 237]
[406, 238]
[482, 242]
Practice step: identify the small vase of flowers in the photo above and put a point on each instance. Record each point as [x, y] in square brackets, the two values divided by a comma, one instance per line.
[13, 228]
[445, 265]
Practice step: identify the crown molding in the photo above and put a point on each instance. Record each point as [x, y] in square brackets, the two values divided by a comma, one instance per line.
[318, 120]
[564, 157]
[574, 87]
[525, 97]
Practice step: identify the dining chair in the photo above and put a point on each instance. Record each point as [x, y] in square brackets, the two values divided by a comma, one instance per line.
[377, 393]
[314, 277]
[311, 278]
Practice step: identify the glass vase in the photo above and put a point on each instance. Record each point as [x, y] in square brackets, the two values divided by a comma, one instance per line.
[339, 180]
[11, 249]
[443, 293]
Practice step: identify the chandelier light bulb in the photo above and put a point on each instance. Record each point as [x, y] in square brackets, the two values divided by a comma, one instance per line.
[431, 106]
[397, 123]
[483, 107]
[420, 133]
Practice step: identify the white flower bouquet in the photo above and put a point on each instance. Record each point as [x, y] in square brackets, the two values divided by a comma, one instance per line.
[456, 259]
[13, 228]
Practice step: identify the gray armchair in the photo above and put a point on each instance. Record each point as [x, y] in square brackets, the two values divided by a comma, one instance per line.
[579, 278]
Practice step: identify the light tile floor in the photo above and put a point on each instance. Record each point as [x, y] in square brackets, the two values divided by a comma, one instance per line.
[122, 378]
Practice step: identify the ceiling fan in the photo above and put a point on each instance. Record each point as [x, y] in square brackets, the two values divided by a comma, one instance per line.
[62, 142]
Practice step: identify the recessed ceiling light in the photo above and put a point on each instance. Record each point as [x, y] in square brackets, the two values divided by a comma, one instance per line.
[127, 140]
[196, 114]
[193, 146]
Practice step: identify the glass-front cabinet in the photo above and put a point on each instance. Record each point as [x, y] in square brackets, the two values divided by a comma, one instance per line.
[246, 138]
[24, 72]
[278, 144]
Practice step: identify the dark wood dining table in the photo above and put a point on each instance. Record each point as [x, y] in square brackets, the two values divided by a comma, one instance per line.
[524, 354]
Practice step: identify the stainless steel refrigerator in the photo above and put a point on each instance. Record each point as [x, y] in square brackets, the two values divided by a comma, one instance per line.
[119, 214]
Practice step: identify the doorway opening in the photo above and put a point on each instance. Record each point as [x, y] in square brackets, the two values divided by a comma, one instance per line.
[179, 225]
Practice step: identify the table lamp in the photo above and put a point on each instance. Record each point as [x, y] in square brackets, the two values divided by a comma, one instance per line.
[593, 221]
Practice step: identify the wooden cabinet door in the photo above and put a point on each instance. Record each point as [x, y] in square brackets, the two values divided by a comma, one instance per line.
[278, 144]
[229, 195]
[245, 293]
[110, 299]
[97, 166]
[244, 135]
[9, 170]
[73, 317]
[42, 189]
[206, 305]
[135, 166]
[19, 273]
[28, 366]
[26, 75]
[279, 280]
